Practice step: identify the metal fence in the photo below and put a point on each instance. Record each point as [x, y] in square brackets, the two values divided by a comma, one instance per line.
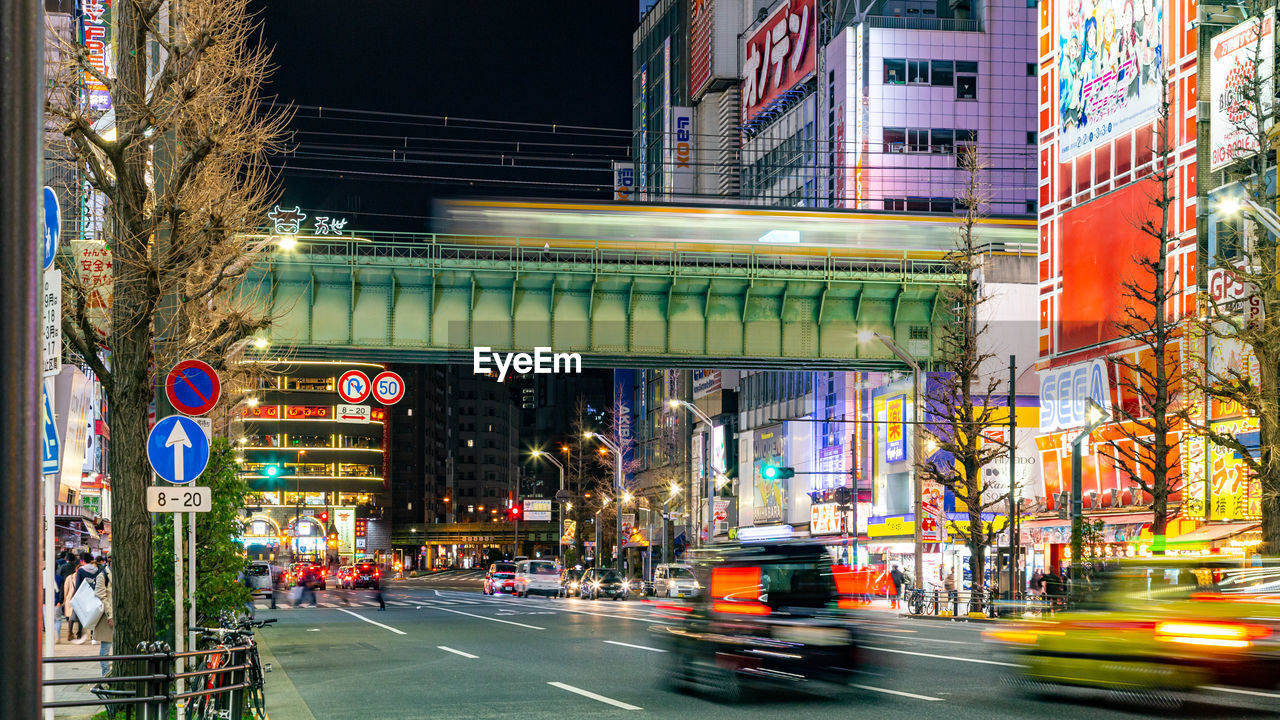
[962, 603]
[151, 692]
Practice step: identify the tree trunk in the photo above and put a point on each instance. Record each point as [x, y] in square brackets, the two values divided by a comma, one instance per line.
[976, 567]
[131, 352]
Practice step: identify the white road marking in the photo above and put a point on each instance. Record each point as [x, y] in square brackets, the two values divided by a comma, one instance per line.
[491, 619]
[887, 691]
[638, 647]
[457, 652]
[593, 696]
[943, 657]
[372, 622]
[313, 629]
[1241, 691]
[934, 640]
[620, 617]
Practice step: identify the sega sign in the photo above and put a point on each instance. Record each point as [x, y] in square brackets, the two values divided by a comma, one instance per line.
[1064, 390]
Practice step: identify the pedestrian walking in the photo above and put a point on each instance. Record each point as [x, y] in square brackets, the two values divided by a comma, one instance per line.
[69, 591]
[104, 632]
[377, 591]
[949, 585]
[896, 580]
[87, 572]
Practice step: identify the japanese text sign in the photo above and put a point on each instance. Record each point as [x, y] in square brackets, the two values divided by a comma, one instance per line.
[779, 54]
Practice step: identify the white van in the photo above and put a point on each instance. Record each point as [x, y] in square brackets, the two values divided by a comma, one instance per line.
[675, 581]
[537, 577]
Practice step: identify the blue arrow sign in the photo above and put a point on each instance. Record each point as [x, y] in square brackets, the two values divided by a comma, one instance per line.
[50, 450]
[52, 216]
[177, 449]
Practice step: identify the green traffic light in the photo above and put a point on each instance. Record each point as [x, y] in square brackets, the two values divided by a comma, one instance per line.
[774, 472]
[271, 470]
[770, 472]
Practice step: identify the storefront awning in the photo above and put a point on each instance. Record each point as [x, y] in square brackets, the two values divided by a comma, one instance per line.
[1212, 533]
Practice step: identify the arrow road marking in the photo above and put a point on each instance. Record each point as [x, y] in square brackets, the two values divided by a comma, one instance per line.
[177, 440]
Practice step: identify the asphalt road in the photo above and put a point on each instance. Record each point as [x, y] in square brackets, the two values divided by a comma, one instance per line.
[438, 652]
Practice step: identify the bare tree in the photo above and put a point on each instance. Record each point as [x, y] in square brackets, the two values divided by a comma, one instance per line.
[1254, 382]
[181, 164]
[1144, 441]
[963, 399]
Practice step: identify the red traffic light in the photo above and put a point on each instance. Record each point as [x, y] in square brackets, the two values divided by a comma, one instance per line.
[324, 517]
[514, 512]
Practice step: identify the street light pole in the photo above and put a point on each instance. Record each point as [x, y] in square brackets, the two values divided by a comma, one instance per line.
[917, 440]
[1094, 416]
[617, 488]
[540, 454]
[676, 403]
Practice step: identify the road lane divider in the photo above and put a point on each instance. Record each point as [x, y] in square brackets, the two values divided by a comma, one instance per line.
[372, 622]
[457, 652]
[899, 693]
[979, 661]
[1241, 691]
[638, 647]
[490, 619]
[593, 696]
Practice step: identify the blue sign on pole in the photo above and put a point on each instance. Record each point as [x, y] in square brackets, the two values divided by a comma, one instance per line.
[50, 449]
[178, 449]
[52, 225]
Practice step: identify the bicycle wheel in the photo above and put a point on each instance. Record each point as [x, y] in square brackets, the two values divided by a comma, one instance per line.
[256, 696]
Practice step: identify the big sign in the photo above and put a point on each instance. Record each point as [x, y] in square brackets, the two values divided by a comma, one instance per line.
[780, 53]
[1064, 390]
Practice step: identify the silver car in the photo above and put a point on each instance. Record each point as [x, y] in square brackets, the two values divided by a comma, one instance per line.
[258, 578]
[674, 580]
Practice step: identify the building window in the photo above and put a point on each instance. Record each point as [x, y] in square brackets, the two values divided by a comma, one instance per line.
[1031, 207]
[917, 140]
[966, 80]
[471, 443]
[916, 204]
[1031, 137]
[942, 140]
[895, 140]
[1031, 69]
[895, 72]
[943, 73]
[918, 72]
[895, 204]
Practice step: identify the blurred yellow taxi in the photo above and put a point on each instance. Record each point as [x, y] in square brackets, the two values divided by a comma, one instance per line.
[1160, 624]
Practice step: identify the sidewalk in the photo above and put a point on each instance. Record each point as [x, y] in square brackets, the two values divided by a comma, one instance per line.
[284, 702]
[62, 693]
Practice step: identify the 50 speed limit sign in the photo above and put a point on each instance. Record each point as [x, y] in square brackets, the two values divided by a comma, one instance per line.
[388, 387]
[178, 499]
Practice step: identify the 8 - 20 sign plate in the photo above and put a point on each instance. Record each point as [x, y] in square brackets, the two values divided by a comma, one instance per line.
[161, 498]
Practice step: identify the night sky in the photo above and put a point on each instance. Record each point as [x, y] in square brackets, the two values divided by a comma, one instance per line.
[525, 62]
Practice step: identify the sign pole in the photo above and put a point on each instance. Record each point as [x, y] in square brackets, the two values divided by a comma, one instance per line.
[50, 578]
[191, 578]
[179, 634]
[1014, 589]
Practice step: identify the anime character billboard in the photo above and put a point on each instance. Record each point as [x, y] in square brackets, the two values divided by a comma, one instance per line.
[1110, 58]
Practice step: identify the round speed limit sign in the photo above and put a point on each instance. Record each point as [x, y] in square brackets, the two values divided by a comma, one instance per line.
[388, 388]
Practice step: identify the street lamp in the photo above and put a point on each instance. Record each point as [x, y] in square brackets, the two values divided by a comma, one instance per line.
[676, 404]
[1266, 217]
[604, 503]
[537, 454]
[1094, 415]
[617, 485]
[917, 439]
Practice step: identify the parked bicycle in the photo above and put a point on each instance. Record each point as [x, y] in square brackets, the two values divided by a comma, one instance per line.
[218, 672]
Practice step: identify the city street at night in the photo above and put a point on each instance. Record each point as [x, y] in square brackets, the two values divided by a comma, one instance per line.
[460, 654]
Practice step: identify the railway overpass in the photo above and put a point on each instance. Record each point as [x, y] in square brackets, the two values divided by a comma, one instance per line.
[625, 285]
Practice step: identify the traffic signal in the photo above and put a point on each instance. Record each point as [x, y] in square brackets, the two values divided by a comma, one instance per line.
[514, 512]
[777, 472]
[324, 516]
[271, 471]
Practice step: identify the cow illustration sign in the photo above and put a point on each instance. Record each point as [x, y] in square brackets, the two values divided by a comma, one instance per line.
[353, 386]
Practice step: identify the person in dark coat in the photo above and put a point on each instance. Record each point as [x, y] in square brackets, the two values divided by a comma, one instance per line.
[895, 577]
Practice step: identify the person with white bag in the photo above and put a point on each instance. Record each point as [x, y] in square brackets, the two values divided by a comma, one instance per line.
[88, 608]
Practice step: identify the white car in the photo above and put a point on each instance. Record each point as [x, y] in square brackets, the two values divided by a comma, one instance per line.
[537, 577]
[675, 581]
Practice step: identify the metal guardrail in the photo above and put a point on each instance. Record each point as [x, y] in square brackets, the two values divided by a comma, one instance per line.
[962, 603]
[924, 23]
[150, 694]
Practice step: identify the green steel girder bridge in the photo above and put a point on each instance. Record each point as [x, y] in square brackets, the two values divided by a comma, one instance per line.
[624, 286]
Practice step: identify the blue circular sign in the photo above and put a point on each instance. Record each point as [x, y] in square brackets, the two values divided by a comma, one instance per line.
[178, 449]
[192, 387]
[52, 217]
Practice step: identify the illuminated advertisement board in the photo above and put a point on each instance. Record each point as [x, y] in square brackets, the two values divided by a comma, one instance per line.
[701, 13]
[718, 458]
[1236, 57]
[779, 55]
[770, 495]
[1110, 59]
[895, 447]
[95, 35]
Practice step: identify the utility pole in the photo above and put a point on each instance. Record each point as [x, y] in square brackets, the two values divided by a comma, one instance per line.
[1013, 478]
[21, 36]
